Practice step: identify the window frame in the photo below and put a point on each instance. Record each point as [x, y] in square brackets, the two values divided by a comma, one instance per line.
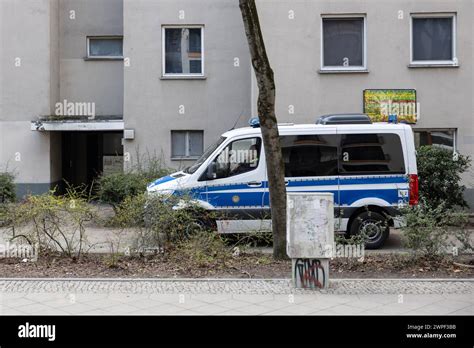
[435, 63]
[233, 140]
[431, 130]
[164, 74]
[106, 37]
[186, 156]
[336, 138]
[378, 133]
[332, 68]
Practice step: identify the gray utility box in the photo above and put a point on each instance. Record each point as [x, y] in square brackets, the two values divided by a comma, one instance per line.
[310, 237]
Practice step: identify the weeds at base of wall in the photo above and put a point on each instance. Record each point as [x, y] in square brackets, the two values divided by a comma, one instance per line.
[115, 188]
[7, 188]
[431, 232]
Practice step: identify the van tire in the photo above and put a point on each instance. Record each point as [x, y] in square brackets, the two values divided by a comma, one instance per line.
[374, 224]
[205, 220]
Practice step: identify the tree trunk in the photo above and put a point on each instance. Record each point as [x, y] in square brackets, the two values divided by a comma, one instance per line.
[268, 125]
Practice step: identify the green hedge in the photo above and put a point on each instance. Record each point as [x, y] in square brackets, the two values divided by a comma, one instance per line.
[114, 188]
[439, 173]
[7, 188]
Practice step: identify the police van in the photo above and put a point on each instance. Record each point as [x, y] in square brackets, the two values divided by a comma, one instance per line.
[369, 167]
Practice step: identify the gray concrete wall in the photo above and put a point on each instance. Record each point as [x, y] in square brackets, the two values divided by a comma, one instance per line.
[294, 49]
[83, 80]
[151, 104]
[52, 47]
[25, 35]
[26, 89]
[54, 67]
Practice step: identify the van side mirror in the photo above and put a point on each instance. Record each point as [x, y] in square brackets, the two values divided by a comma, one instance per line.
[211, 171]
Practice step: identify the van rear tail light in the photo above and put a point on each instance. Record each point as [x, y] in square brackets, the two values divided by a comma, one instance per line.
[413, 189]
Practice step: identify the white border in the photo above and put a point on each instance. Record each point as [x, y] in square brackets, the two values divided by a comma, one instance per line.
[338, 68]
[112, 37]
[454, 130]
[452, 62]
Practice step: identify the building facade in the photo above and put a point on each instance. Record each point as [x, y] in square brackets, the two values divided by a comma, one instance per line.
[92, 86]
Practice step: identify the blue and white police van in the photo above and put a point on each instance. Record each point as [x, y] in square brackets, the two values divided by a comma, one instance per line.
[369, 167]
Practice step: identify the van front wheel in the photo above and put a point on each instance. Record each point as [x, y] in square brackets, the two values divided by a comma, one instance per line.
[372, 226]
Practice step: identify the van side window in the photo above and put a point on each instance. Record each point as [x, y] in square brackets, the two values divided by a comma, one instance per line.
[309, 155]
[240, 156]
[371, 154]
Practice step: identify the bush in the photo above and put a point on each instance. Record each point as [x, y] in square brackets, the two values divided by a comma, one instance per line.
[204, 248]
[7, 188]
[428, 228]
[114, 188]
[439, 173]
[159, 225]
[54, 223]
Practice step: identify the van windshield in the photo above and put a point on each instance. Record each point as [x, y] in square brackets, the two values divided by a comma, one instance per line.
[204, 156]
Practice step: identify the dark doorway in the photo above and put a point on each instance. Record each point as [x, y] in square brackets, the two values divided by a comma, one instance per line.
[85, 153]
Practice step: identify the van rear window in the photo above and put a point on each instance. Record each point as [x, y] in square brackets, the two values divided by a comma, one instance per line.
[371, 154]
[346, 154]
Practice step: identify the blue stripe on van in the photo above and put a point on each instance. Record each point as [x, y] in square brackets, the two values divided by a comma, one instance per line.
[313, 182]
[246, 199]
[228, 187]
[372, 180]
[195, 193]
[347, 197]
[320, 182]
[342, 197]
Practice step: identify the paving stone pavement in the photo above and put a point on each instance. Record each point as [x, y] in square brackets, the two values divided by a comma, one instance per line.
[234, 297]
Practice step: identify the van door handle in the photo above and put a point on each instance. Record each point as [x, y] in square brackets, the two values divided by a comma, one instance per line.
[287, 182]
[254, 184]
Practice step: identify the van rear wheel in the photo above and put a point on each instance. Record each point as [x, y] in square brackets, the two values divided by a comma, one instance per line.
[373, 226]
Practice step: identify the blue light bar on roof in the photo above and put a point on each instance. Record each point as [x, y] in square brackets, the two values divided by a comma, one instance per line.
[254, 122]
[393, 118]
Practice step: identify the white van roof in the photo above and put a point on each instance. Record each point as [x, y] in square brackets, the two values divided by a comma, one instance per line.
[296, 128]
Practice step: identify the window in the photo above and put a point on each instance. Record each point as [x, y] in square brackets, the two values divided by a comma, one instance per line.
[239, 157]
[371, 154]
[183, 53]
[433, 39]
[186, 144]
[343, 43]
[309, 155]
[105, 47]
[442, 138]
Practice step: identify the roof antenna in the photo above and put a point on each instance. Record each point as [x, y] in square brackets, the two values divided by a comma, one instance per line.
[238, 119]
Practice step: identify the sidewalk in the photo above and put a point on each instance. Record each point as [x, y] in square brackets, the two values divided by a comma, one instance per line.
[234, 297]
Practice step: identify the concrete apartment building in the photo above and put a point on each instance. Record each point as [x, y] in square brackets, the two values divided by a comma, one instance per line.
[91, 85]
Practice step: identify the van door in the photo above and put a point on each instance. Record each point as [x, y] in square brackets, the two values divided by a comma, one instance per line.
[238, 181]
[311, 162]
